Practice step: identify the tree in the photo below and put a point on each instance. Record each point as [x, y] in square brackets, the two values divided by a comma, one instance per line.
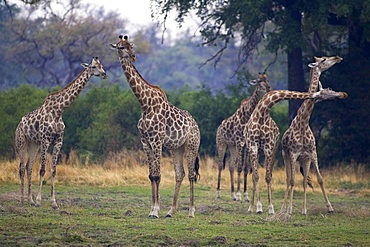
[294, 26]
[301, 29]
[53, 41]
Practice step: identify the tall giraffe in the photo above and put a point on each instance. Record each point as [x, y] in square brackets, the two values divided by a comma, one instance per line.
[298, 141]
[230, 134]
[162, 125]
[44, 127]
[262, 136]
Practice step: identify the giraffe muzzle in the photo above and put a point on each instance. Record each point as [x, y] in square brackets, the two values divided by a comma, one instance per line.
[343, 95]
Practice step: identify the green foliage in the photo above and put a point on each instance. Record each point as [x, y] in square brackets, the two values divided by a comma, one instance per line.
[15, 103]
[103, 121]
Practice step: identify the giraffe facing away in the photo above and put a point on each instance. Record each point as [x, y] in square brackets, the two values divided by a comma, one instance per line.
[262, 136]
[298, 141]
[44, 127]
[230, 134]
[162, 125]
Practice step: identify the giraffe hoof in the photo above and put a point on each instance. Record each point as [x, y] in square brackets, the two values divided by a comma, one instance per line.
[168, 216]
[153, 216]
[259, 212]
[249, 212]
[55, 207]
[331, 212]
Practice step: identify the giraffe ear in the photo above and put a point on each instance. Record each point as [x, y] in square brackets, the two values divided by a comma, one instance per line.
[113, 46]
[253, 82]
[312, 65]
[85, 65]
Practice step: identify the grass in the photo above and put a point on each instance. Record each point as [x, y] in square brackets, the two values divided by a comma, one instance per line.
[107, 205]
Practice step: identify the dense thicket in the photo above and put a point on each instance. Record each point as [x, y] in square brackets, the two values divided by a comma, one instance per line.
[103, 120]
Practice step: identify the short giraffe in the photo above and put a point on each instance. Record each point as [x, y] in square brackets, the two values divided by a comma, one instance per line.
[44, 127]
[230, 134]
[162, 125]
[262, 136]
[298, 141]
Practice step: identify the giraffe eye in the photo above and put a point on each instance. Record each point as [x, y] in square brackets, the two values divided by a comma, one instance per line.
[323, 60]
[93, 67]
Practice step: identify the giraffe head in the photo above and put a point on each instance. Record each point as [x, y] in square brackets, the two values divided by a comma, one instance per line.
[95, 68]
[124, 48]
[324, 63]
[262, 83]
[328, 94]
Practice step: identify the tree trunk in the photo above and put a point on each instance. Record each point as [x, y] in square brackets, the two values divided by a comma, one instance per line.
[295, 79]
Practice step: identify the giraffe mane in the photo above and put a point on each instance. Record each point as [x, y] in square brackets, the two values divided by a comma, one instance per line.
[69, 85]
[150, 85]
[244, 101]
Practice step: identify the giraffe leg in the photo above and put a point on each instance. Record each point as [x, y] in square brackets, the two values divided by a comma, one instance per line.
[231, 170]
[255, 176]
[53, 170]
[246, 171]
[21, 143]
[238, 163]
[290, 181]
[44, 148]
[193, 168]
[305, 164]
[221, 149]
[268, 178]
[320, 180]
[32, 151]
[154, 156]
[178, 155]
[270, 162]
[154, 210]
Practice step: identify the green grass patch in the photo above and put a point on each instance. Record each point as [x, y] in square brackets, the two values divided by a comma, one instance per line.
[117, 216]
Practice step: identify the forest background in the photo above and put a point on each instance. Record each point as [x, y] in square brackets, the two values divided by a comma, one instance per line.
[43, 46]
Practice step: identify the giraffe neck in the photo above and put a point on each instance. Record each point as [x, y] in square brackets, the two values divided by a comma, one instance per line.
[249, 106]
[304, 112]
[148, 95]
[314, 80]
[273, 97]
[59, 101]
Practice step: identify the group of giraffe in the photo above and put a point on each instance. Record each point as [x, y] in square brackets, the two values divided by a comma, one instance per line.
[163, 125]
[251, 127]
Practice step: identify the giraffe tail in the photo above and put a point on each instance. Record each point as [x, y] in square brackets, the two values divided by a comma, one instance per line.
[224, 162]
[196, 166]
[309, 180]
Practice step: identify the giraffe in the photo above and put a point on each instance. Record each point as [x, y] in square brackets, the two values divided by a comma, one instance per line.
[44, 127]
[162, 125]
[230, 134]
[298, 141]
[262, 136]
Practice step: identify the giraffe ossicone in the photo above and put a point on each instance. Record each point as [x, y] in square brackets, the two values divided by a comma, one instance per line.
[44, 127]
[161, 125]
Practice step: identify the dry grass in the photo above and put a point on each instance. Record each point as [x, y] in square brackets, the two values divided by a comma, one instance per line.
[128, 168]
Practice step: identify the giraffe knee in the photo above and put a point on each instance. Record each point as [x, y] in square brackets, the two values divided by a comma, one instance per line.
[54, 172]
[42, 172]
[154, 178]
